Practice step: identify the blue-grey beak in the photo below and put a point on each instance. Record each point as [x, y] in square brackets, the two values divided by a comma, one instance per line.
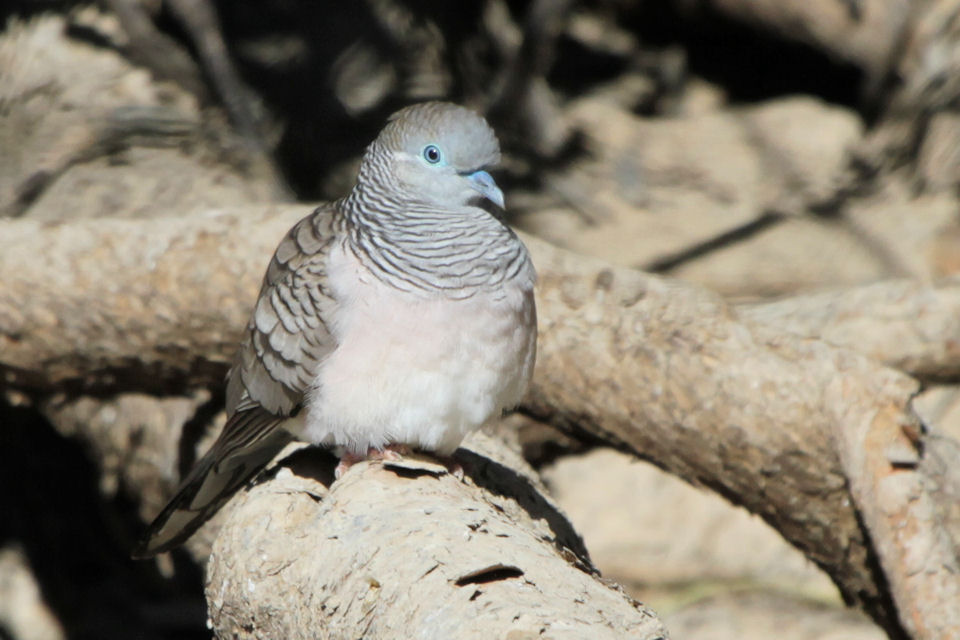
[485, 186]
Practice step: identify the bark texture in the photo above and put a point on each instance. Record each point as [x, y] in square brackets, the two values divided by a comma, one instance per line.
[911, 327]
[407, 550]
[131, 304]
[791, 428]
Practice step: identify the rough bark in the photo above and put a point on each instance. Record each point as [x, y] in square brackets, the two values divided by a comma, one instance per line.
[802, 433]
[486, 557]
[131, 305]
[912, 327]
[820, 441]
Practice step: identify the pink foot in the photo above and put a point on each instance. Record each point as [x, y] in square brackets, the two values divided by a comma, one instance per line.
[390, 453]
[454, 468]
[347, 460]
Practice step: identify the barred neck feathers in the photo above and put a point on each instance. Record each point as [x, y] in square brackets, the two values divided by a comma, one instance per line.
[416, 246]
[412, 217]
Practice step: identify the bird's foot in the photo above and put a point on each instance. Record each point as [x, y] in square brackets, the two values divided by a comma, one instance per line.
[454, 468]
[390, 453]
[347, 460]
[393, 453]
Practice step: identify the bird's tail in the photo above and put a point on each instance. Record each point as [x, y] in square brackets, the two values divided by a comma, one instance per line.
[227, 466]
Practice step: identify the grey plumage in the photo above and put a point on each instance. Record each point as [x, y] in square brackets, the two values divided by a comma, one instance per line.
[400, 314]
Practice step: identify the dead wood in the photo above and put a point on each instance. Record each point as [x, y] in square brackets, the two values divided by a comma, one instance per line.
[123, 304]
[523, 101]
[820, 441]
[84, 133]
[797, 431]
[409, 551]
[151, 48]
[912, 327]
[918, 126]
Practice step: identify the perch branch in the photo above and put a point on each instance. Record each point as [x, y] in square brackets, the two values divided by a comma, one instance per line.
[409, 551]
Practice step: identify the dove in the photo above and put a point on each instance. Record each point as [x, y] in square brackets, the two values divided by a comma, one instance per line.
[398, 317]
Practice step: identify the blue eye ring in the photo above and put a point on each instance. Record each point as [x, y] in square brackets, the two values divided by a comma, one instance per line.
[431, 153]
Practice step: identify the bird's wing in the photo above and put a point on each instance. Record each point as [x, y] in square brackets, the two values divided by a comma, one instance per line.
[287, 337]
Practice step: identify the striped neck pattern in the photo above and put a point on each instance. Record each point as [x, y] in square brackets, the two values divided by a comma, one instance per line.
[418, 247]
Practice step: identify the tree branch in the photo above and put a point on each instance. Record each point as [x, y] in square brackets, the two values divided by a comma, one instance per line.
[813, 438]
[122, 304]
[912, 327]
[409, 551]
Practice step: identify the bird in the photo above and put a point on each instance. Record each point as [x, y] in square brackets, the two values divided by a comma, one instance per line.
[398, 317]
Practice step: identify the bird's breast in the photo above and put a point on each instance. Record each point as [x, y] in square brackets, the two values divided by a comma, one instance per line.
[418, 369]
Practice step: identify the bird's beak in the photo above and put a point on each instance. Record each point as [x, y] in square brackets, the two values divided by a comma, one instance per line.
[485, 186]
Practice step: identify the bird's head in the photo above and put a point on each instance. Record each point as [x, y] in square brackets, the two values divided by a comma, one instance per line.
[437, 152]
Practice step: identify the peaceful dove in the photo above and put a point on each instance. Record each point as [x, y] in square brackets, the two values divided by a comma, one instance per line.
[401, 315]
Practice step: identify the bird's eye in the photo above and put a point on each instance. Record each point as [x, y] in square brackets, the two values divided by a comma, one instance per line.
[431, 153]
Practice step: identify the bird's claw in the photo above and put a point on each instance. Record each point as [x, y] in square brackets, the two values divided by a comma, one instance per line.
[454, 468]
[390, 453]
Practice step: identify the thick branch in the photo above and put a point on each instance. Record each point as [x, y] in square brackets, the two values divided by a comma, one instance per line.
[408, 551]
[812, 437]
[909, 326]
[127, 304]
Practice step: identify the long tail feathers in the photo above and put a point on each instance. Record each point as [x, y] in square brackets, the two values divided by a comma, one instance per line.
[247, 444]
